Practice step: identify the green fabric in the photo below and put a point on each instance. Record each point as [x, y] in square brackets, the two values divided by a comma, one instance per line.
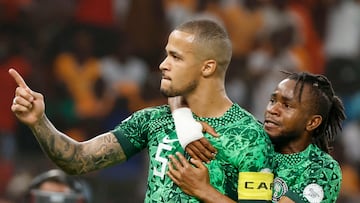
[311, 175]
[242, 146]
[293, 196]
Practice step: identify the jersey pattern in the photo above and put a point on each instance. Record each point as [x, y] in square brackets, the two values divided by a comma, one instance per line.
[242, 146]
[309, 176]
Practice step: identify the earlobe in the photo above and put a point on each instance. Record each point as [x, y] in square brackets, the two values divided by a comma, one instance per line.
[209, 67]
[314, 122]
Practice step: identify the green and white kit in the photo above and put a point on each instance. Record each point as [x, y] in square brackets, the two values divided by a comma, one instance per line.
[309, 176]
[242, 146]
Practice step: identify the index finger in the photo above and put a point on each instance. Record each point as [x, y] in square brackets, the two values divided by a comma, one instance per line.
[18, 79]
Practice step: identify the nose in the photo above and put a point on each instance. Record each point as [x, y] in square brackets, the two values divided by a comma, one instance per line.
[164, 65]
[273, 108]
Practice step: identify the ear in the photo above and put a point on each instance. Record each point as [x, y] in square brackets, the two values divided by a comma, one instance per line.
[209, 67]
[314, 122]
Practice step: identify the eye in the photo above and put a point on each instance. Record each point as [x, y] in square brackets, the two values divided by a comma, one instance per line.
[286, 105]
[272, 100]
[176, 58]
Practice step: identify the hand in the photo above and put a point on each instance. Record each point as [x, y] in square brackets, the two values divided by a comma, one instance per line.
[28, 106]
[202, 149]
[192, 179]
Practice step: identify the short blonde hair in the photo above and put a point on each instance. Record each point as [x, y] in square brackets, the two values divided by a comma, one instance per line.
[212, 38]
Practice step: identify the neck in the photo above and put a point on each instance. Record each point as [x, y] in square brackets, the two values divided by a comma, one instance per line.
[209, 102]
[295, 146]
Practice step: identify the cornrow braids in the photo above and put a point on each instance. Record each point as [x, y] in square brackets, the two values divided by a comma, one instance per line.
[326, 104]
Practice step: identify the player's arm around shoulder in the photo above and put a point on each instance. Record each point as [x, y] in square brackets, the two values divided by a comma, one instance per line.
[248, 147]
[256, 180]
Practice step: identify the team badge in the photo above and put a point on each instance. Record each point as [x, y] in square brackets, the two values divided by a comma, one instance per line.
[314, 193]
[280, 188]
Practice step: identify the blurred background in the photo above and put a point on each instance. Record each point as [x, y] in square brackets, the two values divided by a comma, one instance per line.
[96, 62]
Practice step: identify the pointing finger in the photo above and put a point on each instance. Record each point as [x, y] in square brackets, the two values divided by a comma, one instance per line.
[18, 79]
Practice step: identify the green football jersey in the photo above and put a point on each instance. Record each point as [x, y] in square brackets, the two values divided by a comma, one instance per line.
[242, 146]
[309, 176]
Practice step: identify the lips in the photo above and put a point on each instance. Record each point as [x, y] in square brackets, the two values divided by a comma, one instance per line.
[270, 123]
[272, 126]
[164, 77]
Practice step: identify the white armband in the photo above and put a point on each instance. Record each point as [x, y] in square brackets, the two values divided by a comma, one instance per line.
[187, 128]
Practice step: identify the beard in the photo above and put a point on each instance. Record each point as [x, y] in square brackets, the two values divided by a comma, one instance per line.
[284, 139]
[171, 92]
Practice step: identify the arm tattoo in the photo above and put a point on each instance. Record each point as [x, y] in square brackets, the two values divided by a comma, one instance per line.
[78, 157]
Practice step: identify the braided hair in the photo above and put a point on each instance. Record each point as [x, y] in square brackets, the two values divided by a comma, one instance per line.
[325, 103]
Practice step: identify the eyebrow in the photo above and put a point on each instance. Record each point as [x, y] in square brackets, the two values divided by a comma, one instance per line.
[173, 52]
[285, 98]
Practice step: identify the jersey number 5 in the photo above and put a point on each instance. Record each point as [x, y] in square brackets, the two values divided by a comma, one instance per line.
[163, 161]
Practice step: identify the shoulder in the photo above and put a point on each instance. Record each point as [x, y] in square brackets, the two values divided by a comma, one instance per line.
[145, 117]
[153, 112]
[322, 160]
[246, 118]
[242, 127]
[324, 178]
[241, 117]
[323, 169]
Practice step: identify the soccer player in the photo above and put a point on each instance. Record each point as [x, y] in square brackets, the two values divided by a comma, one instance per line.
[302, 118]
[198, 55]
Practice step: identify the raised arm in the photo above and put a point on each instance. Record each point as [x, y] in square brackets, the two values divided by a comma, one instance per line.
[72, 156]
[77, 157]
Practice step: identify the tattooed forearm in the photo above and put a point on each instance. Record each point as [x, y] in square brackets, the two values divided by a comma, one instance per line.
[77, 157]
[102, 151]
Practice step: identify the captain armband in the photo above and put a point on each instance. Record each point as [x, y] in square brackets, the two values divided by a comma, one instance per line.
[187, 128]
[255, 186]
